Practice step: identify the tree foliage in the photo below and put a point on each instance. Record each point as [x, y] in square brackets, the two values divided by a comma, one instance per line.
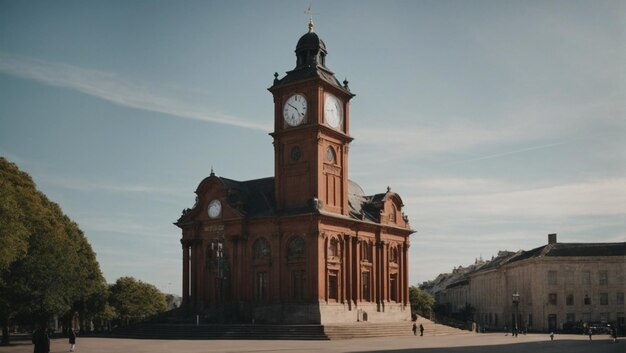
[421, 301]
[47, 267]
[134, 300]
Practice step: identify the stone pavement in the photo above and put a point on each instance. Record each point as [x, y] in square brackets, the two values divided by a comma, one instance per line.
[473, 343]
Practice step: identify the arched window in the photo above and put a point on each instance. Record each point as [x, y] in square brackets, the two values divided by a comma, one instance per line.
[262, 250]
[296, 249]
[333, 248]
[393, 255]
[366, 251]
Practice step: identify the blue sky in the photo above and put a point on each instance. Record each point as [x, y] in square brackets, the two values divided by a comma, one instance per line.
[497, 122]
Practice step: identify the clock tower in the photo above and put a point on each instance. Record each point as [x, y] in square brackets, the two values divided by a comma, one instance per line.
[306, 245]
[311, 133]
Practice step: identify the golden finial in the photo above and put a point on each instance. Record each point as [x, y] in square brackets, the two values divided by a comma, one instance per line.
[310, 13]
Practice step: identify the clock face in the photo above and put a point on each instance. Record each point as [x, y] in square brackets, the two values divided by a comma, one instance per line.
[215, 208]
[294, 111]
[333, 111]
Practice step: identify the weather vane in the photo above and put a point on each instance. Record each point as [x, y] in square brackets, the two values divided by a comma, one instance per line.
[309, 12]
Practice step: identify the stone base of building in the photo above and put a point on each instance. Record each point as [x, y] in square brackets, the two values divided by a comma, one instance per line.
[330, 313]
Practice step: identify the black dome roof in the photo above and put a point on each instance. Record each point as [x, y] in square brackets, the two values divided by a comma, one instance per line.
[310, 41]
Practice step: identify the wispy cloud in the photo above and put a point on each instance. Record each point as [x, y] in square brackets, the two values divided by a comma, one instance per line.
[603, 197]
[115, 89]
[77, 184]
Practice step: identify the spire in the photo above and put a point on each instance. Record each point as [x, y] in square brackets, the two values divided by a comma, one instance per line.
[309, 12]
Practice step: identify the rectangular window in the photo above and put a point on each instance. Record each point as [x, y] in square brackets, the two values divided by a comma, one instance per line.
[333, 289]
[569, 277]
[552, 298]
[587, 300]
[604, 277]
[530, 320]
[606, 317]
[393, 289]
[261, 280]
[569, 300]
[620, 298]
[570, 317]
[299, 281]
[586, 317]
[586, 278]
[604, 298]
[365, 285]
[552, 277]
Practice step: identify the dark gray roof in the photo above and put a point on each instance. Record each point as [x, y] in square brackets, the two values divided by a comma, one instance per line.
[255, 198]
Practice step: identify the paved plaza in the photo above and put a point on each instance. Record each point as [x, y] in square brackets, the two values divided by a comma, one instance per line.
[465, 343]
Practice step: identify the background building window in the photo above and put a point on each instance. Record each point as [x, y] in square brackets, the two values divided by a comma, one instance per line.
[569, 277]
[587, 300]
[620, 298]
[552, 277]
[604, 298]
[604, 277]
[552, 298]
[586, 277]
[569, 300]
[570, 317]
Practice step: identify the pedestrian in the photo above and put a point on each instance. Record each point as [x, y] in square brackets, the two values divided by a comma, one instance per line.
[41, 340]
[551, 336]
[72, 338]
[589, 331]
[614, 333]
[414, 329]
[421, 330]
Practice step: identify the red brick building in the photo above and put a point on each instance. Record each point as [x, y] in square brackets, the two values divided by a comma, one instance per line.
[307, 245]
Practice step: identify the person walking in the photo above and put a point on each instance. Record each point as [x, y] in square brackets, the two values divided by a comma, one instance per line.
[72, 338]
[41, 340]
[614, 333]
[414, 329]
[421, 330]
[589, 331]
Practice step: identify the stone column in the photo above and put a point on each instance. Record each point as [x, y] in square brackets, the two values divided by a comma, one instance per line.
[185, 245]
[405, 273]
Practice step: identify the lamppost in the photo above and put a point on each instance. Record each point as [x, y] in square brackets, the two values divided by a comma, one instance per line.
[516, 304]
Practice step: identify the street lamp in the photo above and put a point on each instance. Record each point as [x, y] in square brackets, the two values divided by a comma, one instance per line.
[516, 304]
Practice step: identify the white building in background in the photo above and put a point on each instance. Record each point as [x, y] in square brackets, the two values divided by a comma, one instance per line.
[557, 283]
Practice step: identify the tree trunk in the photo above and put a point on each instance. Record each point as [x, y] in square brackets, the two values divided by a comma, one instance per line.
[5, 333]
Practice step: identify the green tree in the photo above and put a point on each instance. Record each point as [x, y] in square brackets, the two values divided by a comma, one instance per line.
[47, 268]
[421, 301]
[134, 300]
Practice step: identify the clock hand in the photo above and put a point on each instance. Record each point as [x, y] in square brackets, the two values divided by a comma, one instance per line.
[294, 108]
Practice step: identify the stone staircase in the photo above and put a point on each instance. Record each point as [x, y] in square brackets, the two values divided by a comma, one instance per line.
[368, 329]
[280, 332]
[220, 331]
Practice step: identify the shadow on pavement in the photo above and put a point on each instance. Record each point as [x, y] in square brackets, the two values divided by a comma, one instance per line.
[556, 346]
